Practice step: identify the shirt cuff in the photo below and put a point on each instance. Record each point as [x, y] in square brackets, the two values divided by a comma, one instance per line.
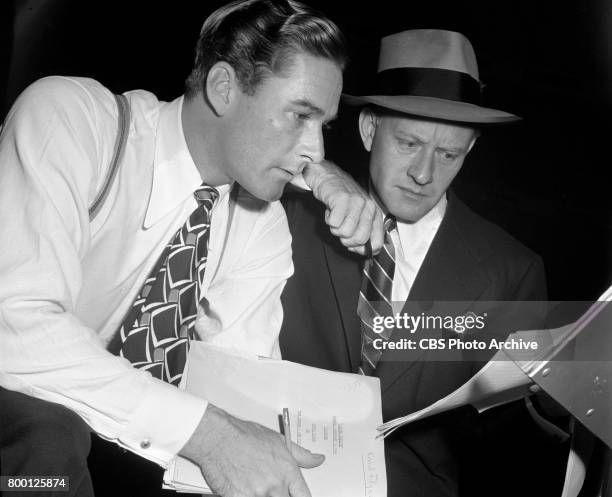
[163, 423]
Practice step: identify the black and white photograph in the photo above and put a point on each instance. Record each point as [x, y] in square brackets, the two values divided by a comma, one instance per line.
[282, 248]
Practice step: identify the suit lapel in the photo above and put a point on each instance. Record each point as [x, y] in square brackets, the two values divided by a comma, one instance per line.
[451, 271]
[345, 271]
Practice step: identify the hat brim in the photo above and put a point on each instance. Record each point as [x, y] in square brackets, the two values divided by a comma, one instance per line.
[435, 108]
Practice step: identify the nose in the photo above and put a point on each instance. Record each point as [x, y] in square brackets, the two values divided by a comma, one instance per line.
[421, 169]
[312, 148]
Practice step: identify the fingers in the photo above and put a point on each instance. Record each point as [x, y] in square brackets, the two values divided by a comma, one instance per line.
[369, 228]
[350, 214]
[351, 219]
[241, 458]
[305, 458]
[377, 236]
[345, 209]
[361, 250]
[363, 229]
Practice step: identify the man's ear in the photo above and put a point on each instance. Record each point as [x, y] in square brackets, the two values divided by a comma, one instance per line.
[471, 143]
[367, 127]
[221, 87]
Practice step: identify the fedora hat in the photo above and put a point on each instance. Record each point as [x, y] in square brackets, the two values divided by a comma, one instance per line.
[430, 73]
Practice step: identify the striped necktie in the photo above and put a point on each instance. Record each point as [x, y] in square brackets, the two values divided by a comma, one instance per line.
[156, 332]
[375, 298]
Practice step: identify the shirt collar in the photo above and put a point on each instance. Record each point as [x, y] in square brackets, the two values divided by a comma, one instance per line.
[175, 175]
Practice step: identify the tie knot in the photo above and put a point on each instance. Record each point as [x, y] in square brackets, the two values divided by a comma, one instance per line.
[390, 223]
[206, 195]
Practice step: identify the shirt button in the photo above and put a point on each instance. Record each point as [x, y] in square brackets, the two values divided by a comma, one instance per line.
[145, 444]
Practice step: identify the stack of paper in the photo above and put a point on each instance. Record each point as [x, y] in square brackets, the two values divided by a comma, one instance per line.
[335, 414]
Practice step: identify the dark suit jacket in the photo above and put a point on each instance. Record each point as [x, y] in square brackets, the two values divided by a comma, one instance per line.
[469, 260]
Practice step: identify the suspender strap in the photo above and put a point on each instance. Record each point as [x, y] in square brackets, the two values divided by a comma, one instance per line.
[124, 126]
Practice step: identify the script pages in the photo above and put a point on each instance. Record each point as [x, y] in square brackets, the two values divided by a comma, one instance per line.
[508, 375]
[335, 414]
[501, 380]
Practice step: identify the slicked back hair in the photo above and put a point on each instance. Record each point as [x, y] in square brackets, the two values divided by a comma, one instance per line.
[260, 37]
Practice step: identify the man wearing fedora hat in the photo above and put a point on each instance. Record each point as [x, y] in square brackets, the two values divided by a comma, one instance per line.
[418, 126]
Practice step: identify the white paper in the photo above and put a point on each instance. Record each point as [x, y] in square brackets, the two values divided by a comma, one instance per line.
[508, 375]
[335, 414]
[498, 382]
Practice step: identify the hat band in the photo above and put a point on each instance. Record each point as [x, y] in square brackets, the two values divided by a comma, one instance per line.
[429, 82]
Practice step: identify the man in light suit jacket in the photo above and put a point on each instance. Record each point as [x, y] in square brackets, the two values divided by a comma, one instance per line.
[418, 125]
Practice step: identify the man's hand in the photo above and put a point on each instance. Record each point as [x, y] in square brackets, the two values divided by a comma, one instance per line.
[351, 215]
[243, 459]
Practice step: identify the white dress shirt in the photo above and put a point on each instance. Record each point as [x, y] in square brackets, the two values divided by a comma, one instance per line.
[66, 283]
[411, 242]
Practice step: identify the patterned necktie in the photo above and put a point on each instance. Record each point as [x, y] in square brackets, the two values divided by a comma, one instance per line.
[156, 332]
[375, 298]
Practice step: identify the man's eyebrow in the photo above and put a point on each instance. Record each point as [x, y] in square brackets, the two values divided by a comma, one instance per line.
[453, 148]
[313, 108]
[411, 135]
[457, 149]
[405, 135]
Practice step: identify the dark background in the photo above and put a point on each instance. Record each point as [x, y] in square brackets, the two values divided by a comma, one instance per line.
[544, 180]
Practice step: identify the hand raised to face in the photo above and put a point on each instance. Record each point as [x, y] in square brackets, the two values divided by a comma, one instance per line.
[351, 214]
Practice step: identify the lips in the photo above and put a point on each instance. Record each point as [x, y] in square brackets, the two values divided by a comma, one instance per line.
[289, 173]
[411, 192]
[293, 171]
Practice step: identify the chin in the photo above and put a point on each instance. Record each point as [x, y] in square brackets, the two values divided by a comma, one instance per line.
[409, 215]
[410, 211]
[265, 193]
[273, 196]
